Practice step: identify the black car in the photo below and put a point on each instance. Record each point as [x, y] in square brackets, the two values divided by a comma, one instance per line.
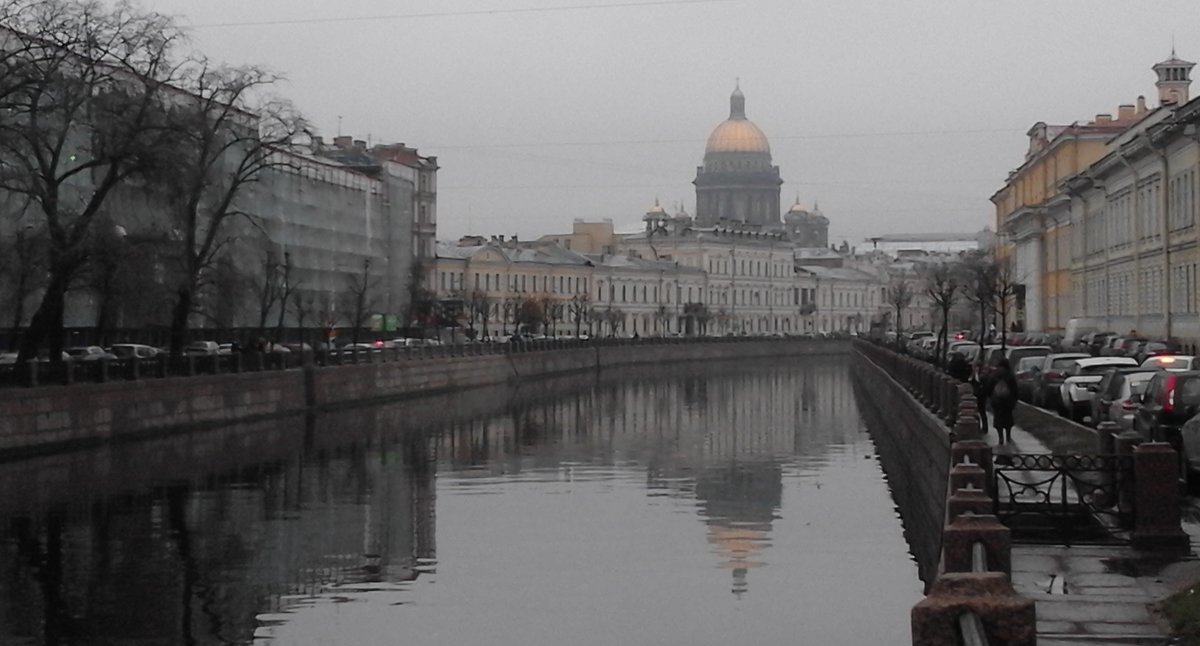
[1109, 389]
[1170, 400]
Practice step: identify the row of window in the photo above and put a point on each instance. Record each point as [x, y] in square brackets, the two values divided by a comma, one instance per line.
[723, 267]
[1128, 293]
[1138, 215]
[451, 281]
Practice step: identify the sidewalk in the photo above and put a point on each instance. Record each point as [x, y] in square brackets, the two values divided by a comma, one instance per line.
[1093, 594]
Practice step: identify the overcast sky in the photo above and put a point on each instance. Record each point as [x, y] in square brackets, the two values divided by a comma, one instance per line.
[896, 116]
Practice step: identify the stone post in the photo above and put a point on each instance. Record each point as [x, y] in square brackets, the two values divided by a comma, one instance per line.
[135, 368]
[236, 362]
[190, 360]
[102, 370]
[31, 373]
[68, 372]
[967, 474]
[968, 500]
[979, 453]
[959, 536]
[1007, 617]
[1125, 443]
[1156, 525]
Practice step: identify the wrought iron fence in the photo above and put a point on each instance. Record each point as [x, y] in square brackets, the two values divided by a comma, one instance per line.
[1067, 499]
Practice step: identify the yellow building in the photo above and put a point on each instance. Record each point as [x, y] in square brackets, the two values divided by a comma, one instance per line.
[1033, 213]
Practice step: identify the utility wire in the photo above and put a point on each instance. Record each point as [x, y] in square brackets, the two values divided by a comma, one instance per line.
[446, 14]
[630, 142]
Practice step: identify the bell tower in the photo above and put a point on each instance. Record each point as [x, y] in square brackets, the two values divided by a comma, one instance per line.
[1174, 79]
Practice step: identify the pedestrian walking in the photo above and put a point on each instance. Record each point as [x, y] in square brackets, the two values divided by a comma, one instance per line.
[1001, 392]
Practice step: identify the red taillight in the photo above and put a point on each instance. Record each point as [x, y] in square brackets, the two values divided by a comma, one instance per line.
[379, 344]
[1168, 403]
[1050, 374]
[1128, 404]
[959, 336]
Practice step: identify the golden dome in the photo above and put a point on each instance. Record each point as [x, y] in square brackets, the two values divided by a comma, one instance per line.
[737, 134]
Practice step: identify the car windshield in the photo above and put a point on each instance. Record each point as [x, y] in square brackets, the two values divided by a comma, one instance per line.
[1137, 383]
[1065, 362]
[1028, 363]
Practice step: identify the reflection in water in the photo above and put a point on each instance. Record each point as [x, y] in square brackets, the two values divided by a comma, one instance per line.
[573, 519]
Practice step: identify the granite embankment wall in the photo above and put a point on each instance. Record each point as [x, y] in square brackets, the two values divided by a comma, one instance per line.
[51, 418]
[914, 450]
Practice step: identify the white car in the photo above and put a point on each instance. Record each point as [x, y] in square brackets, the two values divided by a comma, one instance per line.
[128, 350]
[1074, 394]
[1170, 362]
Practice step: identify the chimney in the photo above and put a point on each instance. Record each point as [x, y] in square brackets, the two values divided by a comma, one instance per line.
[1103, 118]
[1141, 105]
[1125, 112]
[360, 145]
[343, 142]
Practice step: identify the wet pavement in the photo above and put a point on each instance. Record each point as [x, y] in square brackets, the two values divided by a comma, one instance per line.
[743, 504]
[1095, 594]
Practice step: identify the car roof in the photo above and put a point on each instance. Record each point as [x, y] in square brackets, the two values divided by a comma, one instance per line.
[1068, 355]
[1029, 347]
[1100, 361]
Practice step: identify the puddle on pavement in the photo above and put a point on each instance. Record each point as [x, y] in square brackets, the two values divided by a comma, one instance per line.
[1136, 567]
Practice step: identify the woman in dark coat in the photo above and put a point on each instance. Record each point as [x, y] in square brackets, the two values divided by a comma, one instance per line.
[1001, 392]
[959, 368]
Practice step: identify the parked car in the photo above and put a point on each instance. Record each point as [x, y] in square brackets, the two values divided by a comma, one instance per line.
[1050, 377]
[1170, 362]
[1026, 370]
[1170, 400]
[1016, 354]
[1115, 396]
[89, 353]
[1096, 341]
[8, 358]
[990, 356]
[130, 350]
[1154, 349]
[201, 348]
[1123, 346]
[1074, 393]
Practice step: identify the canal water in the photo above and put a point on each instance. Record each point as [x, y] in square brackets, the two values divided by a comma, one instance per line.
[740, 504]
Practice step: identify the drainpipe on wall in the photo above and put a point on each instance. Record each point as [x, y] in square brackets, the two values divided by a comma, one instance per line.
[1137, 239]
[1165, 230]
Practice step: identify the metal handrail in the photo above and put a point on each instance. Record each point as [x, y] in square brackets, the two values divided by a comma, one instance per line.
[970, 625]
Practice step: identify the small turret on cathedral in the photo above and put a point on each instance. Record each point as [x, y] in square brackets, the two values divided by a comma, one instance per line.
[807, 229]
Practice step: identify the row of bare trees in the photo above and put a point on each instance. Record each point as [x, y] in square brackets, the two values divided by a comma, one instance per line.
[545, 312]
[105, 109]
[981, 280]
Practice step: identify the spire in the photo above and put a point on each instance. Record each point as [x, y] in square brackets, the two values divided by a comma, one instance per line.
[737, 102]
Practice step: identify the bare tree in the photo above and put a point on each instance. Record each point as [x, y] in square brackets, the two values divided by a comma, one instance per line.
[577, 309]
[899, 296]
[662, 317]
[941, 284]
[528, 313]
[224, 140]
[477, 306]
[303, 306]
[83, 89]
[21, 270]
[1005, 292]
[269, 288]
[361, 296]
[979, 288]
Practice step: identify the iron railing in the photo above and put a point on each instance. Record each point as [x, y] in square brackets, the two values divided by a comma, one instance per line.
[1066, 499]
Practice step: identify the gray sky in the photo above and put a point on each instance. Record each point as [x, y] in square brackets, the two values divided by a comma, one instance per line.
[897, 116]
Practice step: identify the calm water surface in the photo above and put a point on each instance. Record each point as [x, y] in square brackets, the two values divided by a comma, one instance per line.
[742, 504]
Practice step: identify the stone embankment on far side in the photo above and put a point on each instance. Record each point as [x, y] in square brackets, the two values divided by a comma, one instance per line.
[59, 417]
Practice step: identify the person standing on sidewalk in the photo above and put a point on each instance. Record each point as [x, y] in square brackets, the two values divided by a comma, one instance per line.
[977, 386]
[1001, 393]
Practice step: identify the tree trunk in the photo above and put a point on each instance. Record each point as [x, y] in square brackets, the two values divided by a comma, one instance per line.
[47, 321]
[18, 308]
[179, 318]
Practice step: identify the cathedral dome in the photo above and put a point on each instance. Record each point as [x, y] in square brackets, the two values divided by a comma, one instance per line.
[737, 134]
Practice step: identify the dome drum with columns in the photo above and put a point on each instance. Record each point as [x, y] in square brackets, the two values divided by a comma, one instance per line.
[737, 183]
